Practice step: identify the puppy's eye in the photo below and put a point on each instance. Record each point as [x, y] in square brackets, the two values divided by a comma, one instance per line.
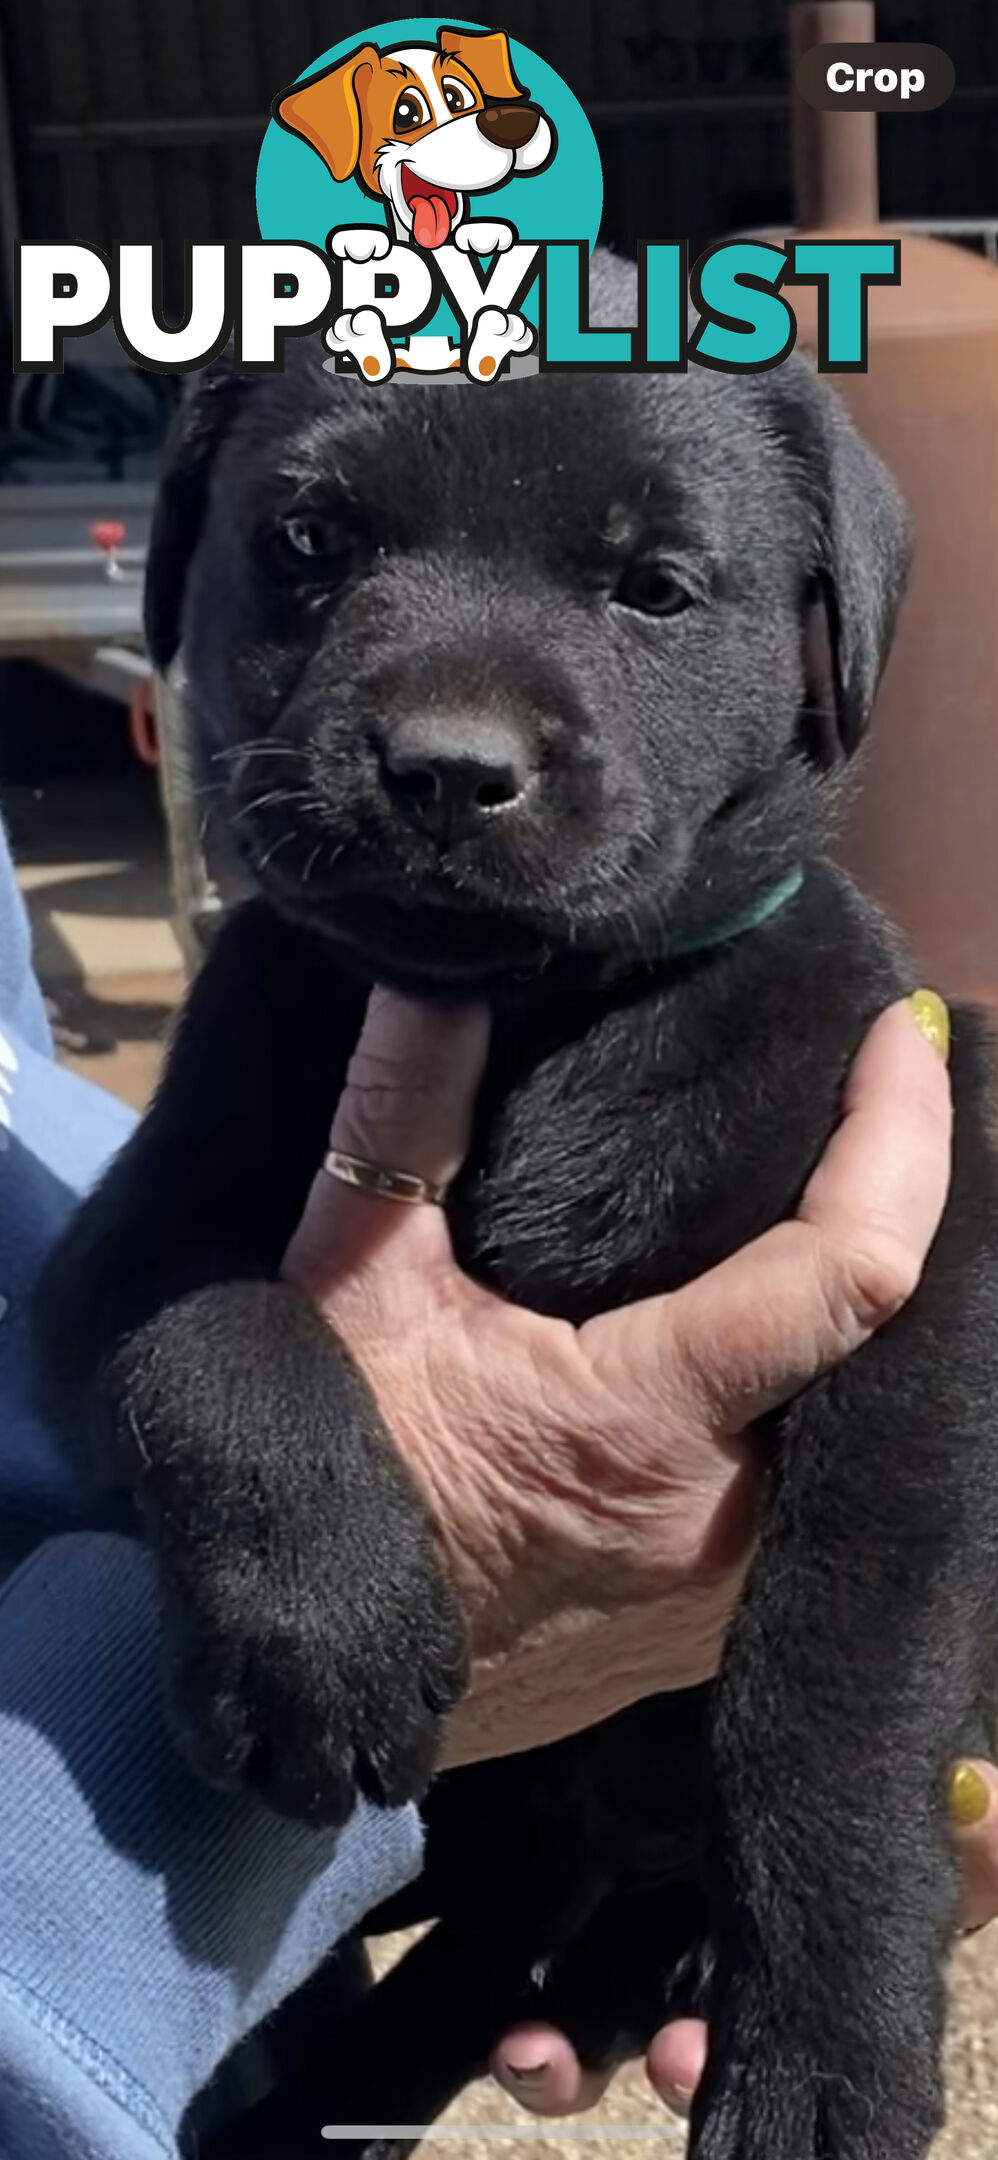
[305, 536]
[412, 111]
[309, 545]
[458, 96]
[652, 588]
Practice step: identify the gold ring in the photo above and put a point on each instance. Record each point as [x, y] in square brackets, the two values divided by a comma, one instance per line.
[369, 1177]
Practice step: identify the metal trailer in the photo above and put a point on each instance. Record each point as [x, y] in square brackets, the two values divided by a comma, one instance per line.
[76, 606]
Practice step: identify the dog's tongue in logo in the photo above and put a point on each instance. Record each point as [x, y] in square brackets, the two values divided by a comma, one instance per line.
[433, 209]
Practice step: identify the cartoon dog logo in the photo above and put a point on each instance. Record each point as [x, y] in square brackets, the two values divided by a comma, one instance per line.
[423, 127]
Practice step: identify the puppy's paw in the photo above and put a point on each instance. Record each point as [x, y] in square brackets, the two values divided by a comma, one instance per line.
[484, 237]
[305, 1672]
[495, 335]
[770, 2092]
[362, 335]
[360, 243]
[759, 2115]
[313, 1645]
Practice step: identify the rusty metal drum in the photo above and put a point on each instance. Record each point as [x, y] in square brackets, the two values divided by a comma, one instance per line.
[923, 831]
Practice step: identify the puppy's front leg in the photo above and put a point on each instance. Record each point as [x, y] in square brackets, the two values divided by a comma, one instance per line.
[851, 1668]
[312, 1642]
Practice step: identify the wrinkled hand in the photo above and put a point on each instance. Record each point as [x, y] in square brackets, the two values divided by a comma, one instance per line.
[593, 1491]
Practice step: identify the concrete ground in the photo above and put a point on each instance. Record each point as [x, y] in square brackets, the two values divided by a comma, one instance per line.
[92, 866]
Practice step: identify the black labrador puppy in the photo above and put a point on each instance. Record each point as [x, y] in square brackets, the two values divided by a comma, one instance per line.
[508, 692]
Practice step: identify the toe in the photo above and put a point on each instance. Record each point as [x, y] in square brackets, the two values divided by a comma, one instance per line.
[539, 2067]
[675, 2062]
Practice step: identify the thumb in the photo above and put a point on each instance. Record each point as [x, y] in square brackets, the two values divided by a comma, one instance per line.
[750, 1333]
[407, 1105]
[973, 1812]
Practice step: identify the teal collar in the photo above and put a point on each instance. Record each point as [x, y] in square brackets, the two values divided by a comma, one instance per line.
[759, 910]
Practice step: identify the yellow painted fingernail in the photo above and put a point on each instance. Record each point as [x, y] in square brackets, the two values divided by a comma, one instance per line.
[931, 1015]
[968, 1797]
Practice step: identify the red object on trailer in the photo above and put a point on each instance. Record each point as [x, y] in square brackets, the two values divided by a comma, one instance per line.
[142, 725]
[108, 535]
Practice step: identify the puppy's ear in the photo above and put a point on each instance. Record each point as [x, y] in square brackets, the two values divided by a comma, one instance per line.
[180, 501]
[486, 55]
[862, 554]
[327, 110]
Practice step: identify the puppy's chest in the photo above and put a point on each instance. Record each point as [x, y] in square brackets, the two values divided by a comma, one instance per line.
[617, 1163]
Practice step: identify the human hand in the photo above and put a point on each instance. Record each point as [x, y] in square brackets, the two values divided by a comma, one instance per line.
[593, 1491]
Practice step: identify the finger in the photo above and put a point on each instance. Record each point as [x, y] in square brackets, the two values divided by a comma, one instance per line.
[675, 2061]
[410, 1090]
[886, 1169]
[407, 1105]
[754, 1330]
[542, 2071]
[973, 1811]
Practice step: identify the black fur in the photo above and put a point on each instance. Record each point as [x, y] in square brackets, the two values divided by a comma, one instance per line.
[772, 1851]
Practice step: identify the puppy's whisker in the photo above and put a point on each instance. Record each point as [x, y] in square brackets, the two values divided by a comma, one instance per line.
[281, 841]
[263, 802]
[262, 748]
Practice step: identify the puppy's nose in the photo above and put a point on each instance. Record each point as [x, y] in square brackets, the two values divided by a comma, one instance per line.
[451, 775]
[508, 126]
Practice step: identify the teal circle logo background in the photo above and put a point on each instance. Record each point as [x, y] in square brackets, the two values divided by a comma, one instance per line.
[298, 199]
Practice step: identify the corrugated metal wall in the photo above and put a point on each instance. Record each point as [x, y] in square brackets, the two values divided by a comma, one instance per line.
[138, 118]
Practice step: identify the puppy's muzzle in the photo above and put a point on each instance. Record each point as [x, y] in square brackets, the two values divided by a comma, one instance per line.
[509, 127]
[450, 774]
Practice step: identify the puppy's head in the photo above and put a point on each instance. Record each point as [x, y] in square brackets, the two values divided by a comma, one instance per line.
[487, 679]
[423, 126]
